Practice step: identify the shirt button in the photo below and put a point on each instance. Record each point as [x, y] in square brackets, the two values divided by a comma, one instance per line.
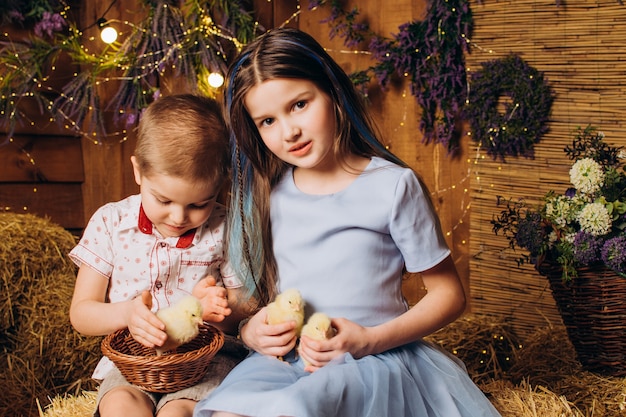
[163, 244]
[158, 285]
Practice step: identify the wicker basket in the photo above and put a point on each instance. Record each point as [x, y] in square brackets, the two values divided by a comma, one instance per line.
[166, 373]
[593, 308]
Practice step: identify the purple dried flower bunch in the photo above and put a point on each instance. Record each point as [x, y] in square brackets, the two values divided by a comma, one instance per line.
[44, 14]
[584, 226]
[430, 53]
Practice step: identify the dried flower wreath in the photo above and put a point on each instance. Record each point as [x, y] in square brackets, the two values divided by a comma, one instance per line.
[509, 107]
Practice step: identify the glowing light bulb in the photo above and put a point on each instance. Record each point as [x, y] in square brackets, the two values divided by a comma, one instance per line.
[216, 80]
[108, 34]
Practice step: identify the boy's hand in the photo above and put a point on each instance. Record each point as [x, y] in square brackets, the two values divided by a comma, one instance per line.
[142, 323]
[214, 299]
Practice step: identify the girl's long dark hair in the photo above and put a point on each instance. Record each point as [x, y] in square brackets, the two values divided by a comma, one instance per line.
[281, 53]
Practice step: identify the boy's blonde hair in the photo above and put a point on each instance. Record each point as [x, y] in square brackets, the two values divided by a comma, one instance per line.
[184, 136]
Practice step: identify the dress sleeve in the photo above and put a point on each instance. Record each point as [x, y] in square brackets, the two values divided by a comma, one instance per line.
[415, 226]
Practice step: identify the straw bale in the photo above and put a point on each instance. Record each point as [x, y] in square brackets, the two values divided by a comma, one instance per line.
[30, 246]
[42, 354]
[547, 362]
[525, 400]
[485, 343]
[81, 405]
[546, 356]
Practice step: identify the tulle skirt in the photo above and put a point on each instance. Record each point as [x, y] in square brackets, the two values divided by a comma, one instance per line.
[416, 380]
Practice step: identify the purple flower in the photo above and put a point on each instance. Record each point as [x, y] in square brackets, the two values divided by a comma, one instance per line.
[614, 253]
[49, 23]
[587, 248]
[131, 118]
[16, 16]
[570, 192]
[313, 4]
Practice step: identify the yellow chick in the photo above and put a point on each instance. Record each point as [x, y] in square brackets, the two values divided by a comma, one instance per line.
[287, 306]
[318, 327]
[182, 321]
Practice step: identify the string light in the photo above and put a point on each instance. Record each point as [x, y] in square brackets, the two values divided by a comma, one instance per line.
[108, 34]
[216, 80]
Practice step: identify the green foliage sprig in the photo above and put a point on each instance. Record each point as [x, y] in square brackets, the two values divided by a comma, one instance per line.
[184, 39]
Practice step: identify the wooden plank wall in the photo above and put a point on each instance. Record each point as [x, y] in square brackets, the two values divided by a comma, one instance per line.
[107, 170]
[41, 167]
[579, 46]
[42, 174]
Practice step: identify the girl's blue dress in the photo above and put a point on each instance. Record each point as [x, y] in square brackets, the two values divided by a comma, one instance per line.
[345, 252]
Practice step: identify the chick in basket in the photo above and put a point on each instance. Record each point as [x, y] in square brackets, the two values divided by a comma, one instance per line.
[181, 320]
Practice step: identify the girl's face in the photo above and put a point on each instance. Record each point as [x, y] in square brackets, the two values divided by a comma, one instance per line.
[296, 121]
[175, 205]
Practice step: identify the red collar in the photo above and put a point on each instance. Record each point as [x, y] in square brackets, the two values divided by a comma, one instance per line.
[145, 225]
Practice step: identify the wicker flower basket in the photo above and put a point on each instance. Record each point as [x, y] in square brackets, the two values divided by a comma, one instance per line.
[166, 373]
[593, 308]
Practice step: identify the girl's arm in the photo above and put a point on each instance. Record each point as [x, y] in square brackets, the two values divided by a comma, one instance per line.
[91, 315]
[268, 339]
[444, 302]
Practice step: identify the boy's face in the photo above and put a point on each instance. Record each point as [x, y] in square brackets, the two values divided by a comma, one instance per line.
[175, 205]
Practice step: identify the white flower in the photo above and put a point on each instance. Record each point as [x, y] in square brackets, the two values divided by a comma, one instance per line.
[594, 218]
[569, 237]
[586, 175]
[561, 210]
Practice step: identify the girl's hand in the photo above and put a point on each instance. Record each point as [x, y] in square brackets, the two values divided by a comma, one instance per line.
[214, 299]
[350, 337]
[142, 323]
[271, 340]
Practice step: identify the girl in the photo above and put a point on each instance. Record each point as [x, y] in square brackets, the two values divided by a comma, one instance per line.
[344, 218]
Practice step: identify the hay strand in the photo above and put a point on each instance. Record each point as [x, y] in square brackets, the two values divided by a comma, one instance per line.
[485, 343]
[82, 405]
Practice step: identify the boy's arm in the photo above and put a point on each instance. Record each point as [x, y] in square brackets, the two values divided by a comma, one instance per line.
[91, 315]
